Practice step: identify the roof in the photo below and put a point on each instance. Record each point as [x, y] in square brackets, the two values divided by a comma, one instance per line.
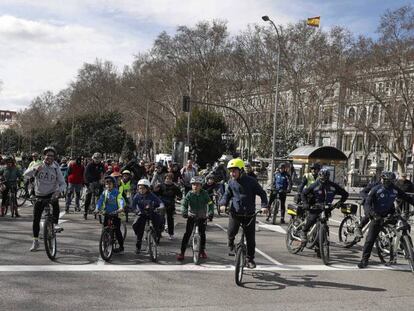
[323, 154]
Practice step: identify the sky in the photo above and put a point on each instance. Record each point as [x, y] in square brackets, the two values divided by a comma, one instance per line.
[43, 43]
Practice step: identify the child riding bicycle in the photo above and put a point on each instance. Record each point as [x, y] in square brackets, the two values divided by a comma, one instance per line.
[111, 202]
[195, 207]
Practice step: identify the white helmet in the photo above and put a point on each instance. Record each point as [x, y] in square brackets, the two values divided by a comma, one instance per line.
[145, 182]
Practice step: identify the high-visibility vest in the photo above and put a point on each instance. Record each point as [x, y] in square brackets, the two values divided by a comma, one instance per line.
[310, 178]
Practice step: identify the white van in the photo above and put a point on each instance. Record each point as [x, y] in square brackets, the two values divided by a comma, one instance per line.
[163, 158]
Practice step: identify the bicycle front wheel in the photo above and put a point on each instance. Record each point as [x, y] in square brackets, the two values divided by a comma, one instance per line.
[21, 196]
[106, 244]
[239, 268]
[346, 231]
[123, 230]
[49, 237]
[407, 245]
[196, 249]
[324, 243]
[275, 211]
[152, 246]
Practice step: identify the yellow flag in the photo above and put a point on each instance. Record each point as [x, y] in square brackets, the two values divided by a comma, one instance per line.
[314, 21]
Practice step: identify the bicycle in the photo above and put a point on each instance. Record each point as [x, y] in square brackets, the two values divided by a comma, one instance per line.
[11, 201]
[150, 234]
[319, 232]
[108, 241]
[394, 240]
[349, 223]
[196, 240]
[241, 251]
[293, 241]
[274, 208]
[49, 231]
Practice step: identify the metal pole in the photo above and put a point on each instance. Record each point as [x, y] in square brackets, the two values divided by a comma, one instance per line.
[187, 145]
[146, 133]
[267, 19]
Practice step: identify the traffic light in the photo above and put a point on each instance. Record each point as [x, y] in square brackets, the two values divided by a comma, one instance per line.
[186, 103]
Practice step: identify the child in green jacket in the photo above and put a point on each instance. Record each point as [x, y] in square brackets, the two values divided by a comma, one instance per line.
[195, 207]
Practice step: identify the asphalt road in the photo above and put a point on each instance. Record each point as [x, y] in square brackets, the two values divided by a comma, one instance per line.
[80, 280]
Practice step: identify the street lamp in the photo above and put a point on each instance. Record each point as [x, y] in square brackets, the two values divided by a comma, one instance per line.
[145, 154]
[272, 168]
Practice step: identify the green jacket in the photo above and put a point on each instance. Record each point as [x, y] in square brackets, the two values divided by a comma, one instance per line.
[197, 204]
[11, 175]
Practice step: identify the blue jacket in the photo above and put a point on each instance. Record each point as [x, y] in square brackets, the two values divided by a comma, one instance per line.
[381, 199]
[110, 201]
[242, 195]
[322, 193]
[139, 202]
[282, 182]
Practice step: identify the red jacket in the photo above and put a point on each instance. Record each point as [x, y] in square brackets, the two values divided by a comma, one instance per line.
[75, 175]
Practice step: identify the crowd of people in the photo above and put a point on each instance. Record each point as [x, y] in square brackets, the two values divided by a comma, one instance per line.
[151, 190]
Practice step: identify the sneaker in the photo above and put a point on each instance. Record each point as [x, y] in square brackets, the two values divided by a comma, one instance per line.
[35, 246]
[180, 257]
[171, 237]
[67, 210]
[203, 255]
[16, 215]
[119, 250]
[251, 264]
[362, 264]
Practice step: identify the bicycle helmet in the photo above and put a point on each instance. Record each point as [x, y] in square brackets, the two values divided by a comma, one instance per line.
[387, 178]
[126, 172]
[144, 182]
[281, 165]
[236, 163]
[111, 178]
[323, 175]
[197, 180]
[49, 148]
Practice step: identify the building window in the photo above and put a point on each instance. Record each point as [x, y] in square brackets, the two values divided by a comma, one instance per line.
[351, 115]
[363, 115]
[359, 143]
[347, 142]
[327, 116]
[375, 114]
[356, 166]
[326, 141]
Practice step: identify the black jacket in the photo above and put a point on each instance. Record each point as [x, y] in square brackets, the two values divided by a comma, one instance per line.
[322, 193]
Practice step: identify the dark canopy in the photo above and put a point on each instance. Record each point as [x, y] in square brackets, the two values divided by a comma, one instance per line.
[321, 154]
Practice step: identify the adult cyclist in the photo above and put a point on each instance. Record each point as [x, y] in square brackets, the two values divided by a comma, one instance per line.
[241, 194]
[49, 183]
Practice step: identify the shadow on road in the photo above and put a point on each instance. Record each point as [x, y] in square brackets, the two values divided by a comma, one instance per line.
[269, 280]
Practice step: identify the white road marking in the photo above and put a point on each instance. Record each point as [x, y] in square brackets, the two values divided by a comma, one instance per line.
[275, 228]
[272, 260]
[190, 267]
[334, 220]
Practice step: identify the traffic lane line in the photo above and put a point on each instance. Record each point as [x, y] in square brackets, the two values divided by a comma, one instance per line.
[269, 258]
[190, 267]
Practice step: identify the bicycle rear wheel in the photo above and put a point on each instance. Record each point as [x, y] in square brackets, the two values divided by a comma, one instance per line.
[407, 245]
[293, 245]
[383, 244]
[21, 196]
[324, 243]
[275, 211]
[239, 268]
[346, 231]
[152, 246]
[49, 237]
[106, 244]
[196, 249]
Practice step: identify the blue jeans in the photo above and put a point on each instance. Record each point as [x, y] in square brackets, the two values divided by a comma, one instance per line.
[73, 188]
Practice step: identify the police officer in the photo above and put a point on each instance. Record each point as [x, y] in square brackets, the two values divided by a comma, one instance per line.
[322, 191]
[380, 203]
[283, 185]
[308, 179]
